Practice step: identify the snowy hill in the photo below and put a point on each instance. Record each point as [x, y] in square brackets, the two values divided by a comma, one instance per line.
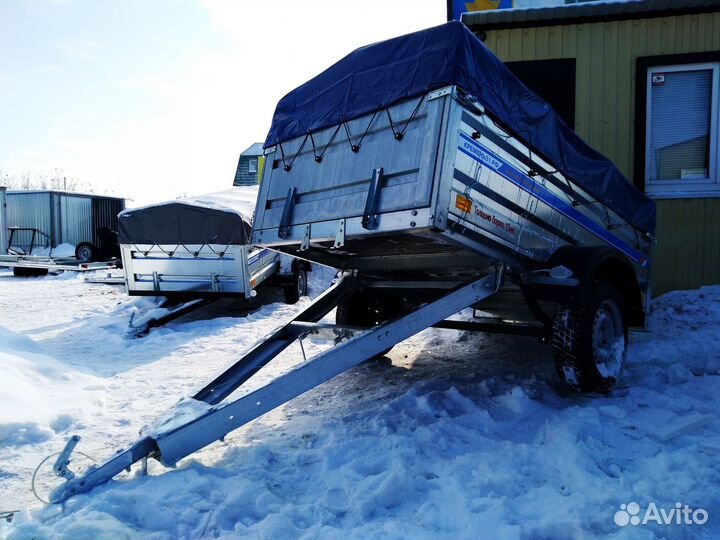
[453, 435]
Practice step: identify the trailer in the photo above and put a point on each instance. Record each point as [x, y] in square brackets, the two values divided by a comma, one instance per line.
[194, 250]
[27, 264]
[434, 181]
[38, 265]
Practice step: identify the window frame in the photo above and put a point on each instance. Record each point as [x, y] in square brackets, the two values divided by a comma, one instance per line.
[251, 169]
[689, 187]
[639, 148]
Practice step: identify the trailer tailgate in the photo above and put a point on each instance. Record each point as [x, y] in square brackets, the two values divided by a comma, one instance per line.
[331, 181]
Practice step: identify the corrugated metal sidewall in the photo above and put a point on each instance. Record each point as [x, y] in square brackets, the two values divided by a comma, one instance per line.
[3, 222]
[32, 210]
[75, 219]
[243, 176]
[606, 53]
[105, 212]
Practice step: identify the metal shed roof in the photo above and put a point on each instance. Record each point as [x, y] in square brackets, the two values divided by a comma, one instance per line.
[585, 12]
[60, 192]
[254, 150]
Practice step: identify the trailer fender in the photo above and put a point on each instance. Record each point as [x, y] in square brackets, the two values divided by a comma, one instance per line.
[300, 264]
[290, 265]
[592, 265]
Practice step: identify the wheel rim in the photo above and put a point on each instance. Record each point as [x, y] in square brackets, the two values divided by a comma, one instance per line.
[609, 348]
[301, 284]
[85, 254]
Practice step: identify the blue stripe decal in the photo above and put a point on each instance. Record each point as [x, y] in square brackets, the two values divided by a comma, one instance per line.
[255, 258]
[487, 159]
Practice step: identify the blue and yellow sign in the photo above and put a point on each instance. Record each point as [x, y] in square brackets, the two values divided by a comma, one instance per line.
[457, 7]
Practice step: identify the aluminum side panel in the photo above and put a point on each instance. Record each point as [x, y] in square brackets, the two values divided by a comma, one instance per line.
[161, 269]
[337, 186]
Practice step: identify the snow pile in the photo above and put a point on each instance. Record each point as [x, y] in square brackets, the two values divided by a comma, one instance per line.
[39, 392]
[239, 200]
[453, 435]
[64, 250]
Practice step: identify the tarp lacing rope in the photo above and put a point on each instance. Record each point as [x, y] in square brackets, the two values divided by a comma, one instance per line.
[400, 134]
[355, 147]
[170, 253]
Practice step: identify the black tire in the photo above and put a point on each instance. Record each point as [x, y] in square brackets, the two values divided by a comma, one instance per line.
[29, 272]
[86, 252]
[297, 288]
[587, 350]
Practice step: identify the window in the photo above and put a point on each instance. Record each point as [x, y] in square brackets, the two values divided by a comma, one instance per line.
[252, 166]
[681, 140]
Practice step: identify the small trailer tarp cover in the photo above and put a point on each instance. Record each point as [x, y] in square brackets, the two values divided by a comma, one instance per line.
[216, 218]
[378, 75]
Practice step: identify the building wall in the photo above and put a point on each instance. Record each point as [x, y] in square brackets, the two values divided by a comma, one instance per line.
[30, 210]
[242, 175]
[606, 54]
[74, 220]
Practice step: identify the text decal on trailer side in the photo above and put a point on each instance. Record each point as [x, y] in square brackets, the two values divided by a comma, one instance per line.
[435, 181]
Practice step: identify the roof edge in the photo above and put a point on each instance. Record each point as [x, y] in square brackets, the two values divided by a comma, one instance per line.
[584, 13]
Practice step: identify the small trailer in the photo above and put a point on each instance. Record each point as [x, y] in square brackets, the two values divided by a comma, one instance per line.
[38, 265]
[33, 265]
[194, 250]
[434, 181]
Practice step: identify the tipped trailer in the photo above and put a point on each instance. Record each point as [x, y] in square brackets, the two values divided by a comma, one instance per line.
[434, 181]
[194, 250]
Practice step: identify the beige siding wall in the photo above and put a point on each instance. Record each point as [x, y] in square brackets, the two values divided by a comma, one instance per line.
[688, 229]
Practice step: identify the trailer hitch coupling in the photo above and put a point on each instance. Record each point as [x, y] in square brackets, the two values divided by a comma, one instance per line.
[61, 464]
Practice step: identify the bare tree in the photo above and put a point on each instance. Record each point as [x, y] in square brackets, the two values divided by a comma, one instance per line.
[55, 180]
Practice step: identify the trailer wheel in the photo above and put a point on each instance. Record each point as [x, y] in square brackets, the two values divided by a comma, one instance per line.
[297, 288]
[86, 252]
[366, 310]
[590, 340]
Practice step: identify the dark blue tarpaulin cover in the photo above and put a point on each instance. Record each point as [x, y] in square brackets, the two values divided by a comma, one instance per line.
[381, 74]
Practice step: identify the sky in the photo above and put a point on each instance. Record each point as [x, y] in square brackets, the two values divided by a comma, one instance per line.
[152, 99]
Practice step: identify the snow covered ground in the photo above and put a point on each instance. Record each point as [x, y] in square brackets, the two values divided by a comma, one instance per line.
[454, 435]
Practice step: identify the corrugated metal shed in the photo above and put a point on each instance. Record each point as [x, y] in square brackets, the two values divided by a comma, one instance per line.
[608, 55]
[3, 222]
[64, 217]
[250, 166]
[32, 209]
